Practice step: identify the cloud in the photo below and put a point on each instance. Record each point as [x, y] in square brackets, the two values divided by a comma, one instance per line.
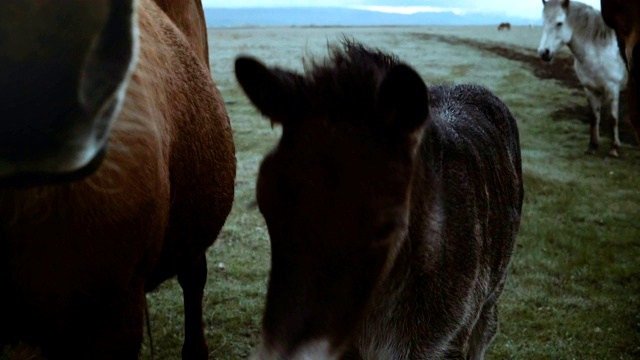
[408, 10]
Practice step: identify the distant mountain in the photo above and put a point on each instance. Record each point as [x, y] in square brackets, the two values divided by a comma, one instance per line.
[224, 17]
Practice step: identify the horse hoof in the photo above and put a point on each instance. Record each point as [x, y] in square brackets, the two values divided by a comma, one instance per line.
[614, 153]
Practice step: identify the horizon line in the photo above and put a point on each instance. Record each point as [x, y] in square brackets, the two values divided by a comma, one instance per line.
[397, 10]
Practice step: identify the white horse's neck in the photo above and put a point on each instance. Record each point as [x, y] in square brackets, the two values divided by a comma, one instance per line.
[581, 49]
[597, 60]
[590, 49]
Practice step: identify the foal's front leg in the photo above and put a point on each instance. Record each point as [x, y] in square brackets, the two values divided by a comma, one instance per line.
[596, 103]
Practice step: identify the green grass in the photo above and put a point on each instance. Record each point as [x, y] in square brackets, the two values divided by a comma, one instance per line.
[574, 285]
[573, 290]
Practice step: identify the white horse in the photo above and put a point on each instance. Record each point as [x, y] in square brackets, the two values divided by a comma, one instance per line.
[598, 64]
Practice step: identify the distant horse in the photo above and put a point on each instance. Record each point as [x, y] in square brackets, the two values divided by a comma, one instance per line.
[504, 26]
[117, 164]
[624, 17]
[392, 210]
[598, 65]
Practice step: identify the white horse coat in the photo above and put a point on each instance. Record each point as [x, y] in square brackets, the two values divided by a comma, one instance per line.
[597, 60]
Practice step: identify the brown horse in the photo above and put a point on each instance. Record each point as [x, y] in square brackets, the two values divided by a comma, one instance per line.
[118, 163]
[624, 17]
[392, 210]
[504, 26]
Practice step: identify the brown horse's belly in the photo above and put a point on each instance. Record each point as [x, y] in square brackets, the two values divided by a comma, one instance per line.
[75, 256]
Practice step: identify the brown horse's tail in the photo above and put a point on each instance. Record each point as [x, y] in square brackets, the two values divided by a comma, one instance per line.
[188, 16]
[633, 93]
[148, 319]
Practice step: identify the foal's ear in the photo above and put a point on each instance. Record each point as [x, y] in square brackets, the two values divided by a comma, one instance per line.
[274, 92]
[565, 4]
[403, 99]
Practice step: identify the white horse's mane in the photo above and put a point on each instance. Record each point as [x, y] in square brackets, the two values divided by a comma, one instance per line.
[586, 22]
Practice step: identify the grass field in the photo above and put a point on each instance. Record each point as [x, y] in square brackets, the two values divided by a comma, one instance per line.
[574, 285]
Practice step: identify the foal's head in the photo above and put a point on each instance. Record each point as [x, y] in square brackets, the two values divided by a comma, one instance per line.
[334, 192]
[64, 67]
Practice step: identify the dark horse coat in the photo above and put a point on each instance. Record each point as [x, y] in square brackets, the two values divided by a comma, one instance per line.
[624, 17]
[392, 210]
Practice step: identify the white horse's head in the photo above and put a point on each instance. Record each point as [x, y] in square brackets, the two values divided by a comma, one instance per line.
[555, 31]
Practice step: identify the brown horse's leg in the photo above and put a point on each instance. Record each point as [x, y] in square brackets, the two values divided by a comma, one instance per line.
[483, 332]
[615, 137]
[105, 326]
[119, 334]
[192, 281]
[596, 103]
[7, 304]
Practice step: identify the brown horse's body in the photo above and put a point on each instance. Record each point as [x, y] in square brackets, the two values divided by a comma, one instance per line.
[392, 210]
[188, 16]
[624, 17]
[78, 257]
[504, 26]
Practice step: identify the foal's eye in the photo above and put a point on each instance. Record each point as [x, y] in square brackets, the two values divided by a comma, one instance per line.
[559, 24]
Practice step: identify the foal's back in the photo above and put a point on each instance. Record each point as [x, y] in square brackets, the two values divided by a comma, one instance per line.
[465, 215]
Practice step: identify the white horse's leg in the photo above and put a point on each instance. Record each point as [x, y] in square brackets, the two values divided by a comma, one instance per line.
[615, 137]
[595, 102]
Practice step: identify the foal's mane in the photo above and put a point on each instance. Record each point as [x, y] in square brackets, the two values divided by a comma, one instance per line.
[351, 55]
[347, 81]
[587, 22]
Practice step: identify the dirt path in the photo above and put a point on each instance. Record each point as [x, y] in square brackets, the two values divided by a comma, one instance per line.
[561, 70]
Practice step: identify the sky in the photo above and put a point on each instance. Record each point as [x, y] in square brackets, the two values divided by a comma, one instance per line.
[529, 9]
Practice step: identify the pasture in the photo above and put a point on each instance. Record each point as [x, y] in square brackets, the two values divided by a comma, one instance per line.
[574, 285]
